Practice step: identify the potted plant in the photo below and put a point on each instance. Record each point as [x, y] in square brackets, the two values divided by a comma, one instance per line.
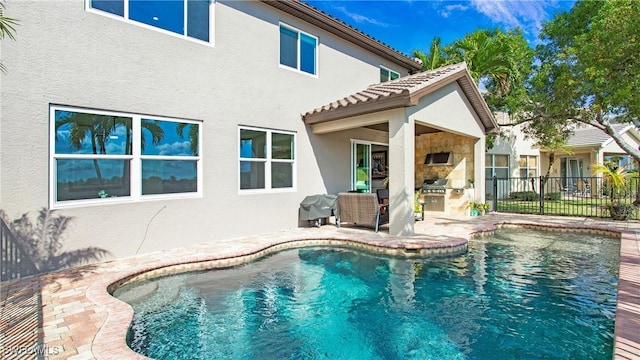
[418, 211]
[616, 178]
[483, 207]
[473, 208]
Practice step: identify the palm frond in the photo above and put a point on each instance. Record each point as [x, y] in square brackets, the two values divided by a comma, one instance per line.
[7, 24]
[77, 257]
[154, 129]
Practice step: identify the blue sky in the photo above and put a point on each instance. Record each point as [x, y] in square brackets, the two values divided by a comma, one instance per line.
[407, 25]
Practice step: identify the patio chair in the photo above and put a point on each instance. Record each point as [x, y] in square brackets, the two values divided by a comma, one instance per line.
[361, 209]
[583, 188]
[383, 199]
[587, 187]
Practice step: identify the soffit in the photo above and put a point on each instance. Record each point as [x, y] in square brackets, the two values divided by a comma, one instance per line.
[419, 128]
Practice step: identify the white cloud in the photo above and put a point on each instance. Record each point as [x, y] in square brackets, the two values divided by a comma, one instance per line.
[448, 9]
[528, 15]
[176, 148]
[359, 18]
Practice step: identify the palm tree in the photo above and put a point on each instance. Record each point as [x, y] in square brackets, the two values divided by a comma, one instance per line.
[97, 128]
[43, 241]
[487, 57]
[616, 178]
[436, 57]
[154, 129]
[192, 134]
[6, 30]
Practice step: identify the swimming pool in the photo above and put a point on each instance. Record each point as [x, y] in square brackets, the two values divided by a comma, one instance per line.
[518, 294]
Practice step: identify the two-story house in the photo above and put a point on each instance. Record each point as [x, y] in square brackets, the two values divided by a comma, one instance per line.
[516, 156]
[158, 124]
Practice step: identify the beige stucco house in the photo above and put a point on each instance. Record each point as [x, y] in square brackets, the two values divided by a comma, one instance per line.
[157, 127]
[516, 156]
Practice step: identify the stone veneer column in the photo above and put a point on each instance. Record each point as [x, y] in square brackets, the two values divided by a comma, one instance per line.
[401, 174]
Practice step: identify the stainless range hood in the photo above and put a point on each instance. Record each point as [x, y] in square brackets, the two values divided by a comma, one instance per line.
[441, 158]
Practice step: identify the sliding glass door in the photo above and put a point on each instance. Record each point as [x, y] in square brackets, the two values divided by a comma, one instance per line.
[570, 170]
[360, 166]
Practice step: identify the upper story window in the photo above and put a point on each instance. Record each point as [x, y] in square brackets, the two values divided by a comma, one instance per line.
[267, 159]
[189, 18]
[101, 156]
[528, 166]
[298, 50]
[387, 74]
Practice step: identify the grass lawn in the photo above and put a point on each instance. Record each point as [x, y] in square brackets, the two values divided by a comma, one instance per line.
[592, 207]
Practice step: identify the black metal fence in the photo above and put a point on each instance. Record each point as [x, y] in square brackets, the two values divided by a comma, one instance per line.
[14, 261]
[571, 196]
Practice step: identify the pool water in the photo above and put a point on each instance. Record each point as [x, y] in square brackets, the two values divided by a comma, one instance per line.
[515, 295]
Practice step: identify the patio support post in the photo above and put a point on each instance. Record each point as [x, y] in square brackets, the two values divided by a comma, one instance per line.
[401, 174]
[495, 193]
[479, 151]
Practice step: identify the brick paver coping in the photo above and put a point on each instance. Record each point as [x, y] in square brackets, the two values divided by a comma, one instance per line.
[70, 314]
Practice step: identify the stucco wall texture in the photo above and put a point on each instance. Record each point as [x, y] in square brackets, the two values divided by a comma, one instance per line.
[67, 55]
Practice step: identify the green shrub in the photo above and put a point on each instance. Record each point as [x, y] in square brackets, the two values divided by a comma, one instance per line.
[524, 195]
[553, 196]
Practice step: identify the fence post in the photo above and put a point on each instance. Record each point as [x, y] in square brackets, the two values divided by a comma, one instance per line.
[495, 193]
[541, 195]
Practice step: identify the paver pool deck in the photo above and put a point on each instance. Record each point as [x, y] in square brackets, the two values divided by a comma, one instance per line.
[70, 315]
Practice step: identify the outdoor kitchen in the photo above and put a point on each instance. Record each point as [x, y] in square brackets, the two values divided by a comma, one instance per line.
[443, 167]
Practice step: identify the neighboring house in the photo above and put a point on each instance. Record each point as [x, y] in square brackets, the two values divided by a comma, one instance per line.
[159, 124]
[515, 156]
[588, 146]
[511, 156]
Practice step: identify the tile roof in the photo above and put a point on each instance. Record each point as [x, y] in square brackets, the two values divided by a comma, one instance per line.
[403, 92]
[593, 136]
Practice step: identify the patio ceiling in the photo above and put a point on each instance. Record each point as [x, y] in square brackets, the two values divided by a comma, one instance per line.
[405, 92]
[420, 129]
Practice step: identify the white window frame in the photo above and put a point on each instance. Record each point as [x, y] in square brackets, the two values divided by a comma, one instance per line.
[527, 168]
[267, 160]
[136, 157]
[389, 71]
[125, 18]
[317, 52]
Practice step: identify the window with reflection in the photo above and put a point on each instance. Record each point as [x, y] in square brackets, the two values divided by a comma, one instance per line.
[98, 155]
[387, 74]
[298, 50]
[169, 156]
[168, 15]
[266, 159]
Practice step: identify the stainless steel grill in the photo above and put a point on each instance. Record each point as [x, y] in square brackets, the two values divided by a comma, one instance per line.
[437, 186]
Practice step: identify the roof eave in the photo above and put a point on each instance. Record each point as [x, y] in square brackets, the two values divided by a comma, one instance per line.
[388, 103]
[337, 28]
[621, 132]
[477, 102]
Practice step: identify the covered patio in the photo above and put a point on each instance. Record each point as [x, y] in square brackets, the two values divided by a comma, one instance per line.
[433, 112]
